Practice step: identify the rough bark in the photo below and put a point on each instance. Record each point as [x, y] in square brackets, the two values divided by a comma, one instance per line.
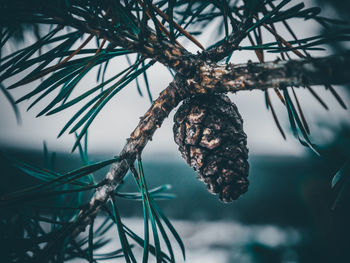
[277, 74]
[168, 99]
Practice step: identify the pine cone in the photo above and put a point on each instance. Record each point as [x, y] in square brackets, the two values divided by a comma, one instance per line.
[209, 132]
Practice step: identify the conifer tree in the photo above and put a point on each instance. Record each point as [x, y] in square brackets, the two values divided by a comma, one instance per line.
[208, 127]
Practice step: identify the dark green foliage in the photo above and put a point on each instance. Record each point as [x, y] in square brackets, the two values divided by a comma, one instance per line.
[33, 206]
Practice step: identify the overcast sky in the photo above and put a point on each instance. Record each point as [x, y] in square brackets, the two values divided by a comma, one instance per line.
[120, 116]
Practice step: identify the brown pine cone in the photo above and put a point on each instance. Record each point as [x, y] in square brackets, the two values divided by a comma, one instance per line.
[209, 132]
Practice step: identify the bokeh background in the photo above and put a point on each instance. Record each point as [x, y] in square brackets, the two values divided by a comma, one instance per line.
[288, 214]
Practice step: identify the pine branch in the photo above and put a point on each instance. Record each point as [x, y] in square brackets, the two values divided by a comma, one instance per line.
[226, 47]
[168, 99]
[330, 70]
[172, 55]
[196, 73]
[221, 79]
[155, 47]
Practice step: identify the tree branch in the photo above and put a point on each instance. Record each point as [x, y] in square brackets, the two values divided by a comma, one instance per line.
[162, 50]
[218, 79]
[147, 43]
[168, 99]
[230, 44]
[331, 70]
[198, 74]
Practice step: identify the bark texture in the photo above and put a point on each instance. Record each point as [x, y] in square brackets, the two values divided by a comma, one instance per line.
[209, 132]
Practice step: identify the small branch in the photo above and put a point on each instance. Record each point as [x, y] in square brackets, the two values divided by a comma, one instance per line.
[162, 50]
[330, 70]
[168, 99]
[230, 44]
[178, 27]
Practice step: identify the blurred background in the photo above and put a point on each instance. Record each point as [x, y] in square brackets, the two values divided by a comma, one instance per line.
[289, 214]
